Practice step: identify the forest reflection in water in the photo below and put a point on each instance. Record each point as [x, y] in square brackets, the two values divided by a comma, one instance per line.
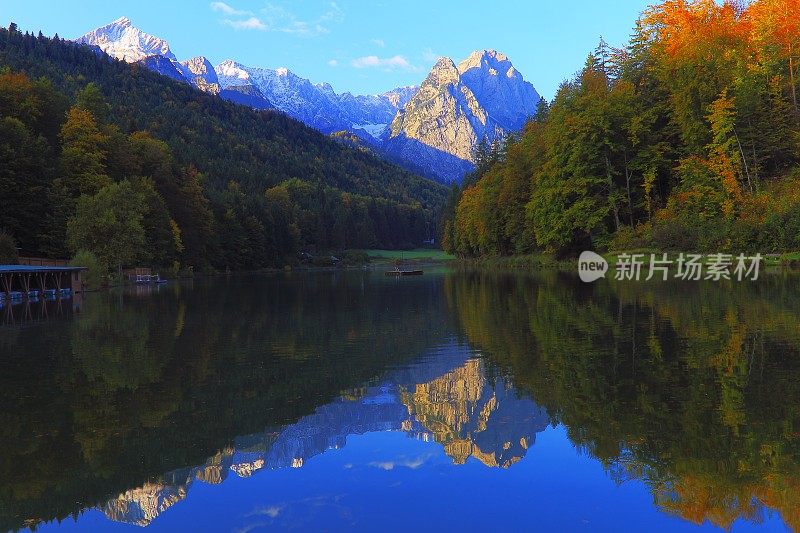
[689, 388]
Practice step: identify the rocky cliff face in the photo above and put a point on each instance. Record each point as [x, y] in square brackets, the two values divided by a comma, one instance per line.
[457, 107]
[500, 89]
[444, 114]
[140, 506]
[471, 416]
[200, 72]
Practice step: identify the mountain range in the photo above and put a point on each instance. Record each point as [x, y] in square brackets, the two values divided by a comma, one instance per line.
[433, 128]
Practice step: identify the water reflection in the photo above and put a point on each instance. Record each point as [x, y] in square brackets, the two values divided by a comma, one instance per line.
[138, 385]
[692, 388]
[461, 409]
[689, 391]
[38, 309]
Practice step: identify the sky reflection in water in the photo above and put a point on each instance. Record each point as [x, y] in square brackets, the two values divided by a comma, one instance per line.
[437, 434]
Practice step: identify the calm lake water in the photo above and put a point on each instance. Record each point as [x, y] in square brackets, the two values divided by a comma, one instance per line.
[452, 401]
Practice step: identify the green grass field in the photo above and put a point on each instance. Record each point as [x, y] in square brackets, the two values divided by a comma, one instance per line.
[418, 254]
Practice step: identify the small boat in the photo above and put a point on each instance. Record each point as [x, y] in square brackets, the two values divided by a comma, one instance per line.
[398, 272]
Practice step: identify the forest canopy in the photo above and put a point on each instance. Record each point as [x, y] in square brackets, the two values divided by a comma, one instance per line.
[687, 138]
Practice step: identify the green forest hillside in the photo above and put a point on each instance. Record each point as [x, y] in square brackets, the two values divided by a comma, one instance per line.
[688, 138]
[100, 155]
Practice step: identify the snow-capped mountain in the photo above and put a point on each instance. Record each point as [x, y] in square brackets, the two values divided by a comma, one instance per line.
[123, 41]
[318, 105]
[433, 128]
[295, 96]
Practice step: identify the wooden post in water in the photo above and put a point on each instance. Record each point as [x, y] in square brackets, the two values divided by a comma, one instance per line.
[26, 285]
[7, 281]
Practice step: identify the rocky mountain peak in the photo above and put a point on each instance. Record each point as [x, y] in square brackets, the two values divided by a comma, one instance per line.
[199, 65]
[123, 22]
[200, 72]
[483, 58]
[443, 72]
[232, 69]
[121, 40]
[456, 107]
[488, 62]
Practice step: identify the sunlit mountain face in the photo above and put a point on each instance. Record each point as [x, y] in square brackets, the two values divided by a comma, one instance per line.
[328, 400]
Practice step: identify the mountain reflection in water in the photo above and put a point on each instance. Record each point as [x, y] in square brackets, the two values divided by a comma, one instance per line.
[327, 400]
[462, 409]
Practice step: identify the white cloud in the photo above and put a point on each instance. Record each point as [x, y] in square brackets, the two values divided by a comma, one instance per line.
[282, 20]
[383, 465]
[252, 23]
[270, 510]
[333, 63]
[412, 463]
[273, 17]
[396, 62]
[226, 9]
[378, 42]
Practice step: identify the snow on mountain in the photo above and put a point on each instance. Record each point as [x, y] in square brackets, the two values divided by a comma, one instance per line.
[122, 40]
[164, 66]
[435, 126]
[318, 105]
[295, 96]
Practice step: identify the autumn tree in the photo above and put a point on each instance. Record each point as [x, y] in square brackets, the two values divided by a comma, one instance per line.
[776, 36]
[82, 168]
[699, 47]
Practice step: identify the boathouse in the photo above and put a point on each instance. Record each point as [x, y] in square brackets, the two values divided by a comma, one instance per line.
[25, 281]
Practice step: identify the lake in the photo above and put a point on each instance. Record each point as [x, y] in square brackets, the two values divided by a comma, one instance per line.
[348, 400]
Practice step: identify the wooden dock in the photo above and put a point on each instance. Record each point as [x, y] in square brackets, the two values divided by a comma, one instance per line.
[404, 272]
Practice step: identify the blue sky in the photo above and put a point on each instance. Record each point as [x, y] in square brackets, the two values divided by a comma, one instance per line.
[359, 46]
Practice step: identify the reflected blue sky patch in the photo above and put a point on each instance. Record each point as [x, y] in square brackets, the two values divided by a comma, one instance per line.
[397, 483]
